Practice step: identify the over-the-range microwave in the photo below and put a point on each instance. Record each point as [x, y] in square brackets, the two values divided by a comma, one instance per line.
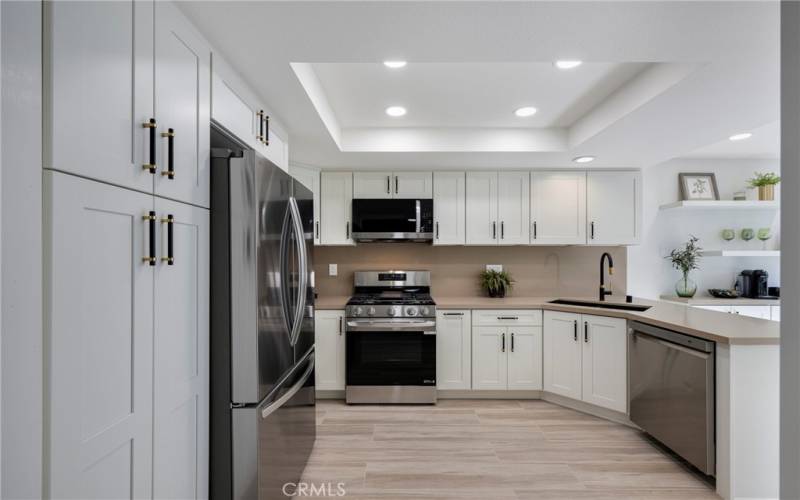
[392, 220]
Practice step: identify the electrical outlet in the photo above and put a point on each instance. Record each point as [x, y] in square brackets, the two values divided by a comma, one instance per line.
[494, 267]
[333, 269]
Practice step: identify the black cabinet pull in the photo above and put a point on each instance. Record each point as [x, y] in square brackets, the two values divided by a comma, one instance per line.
[503, 349]
[266, 130]
[512, 341]
[260, 135]
[494, 230]
[575, 331]
[340, 326]
[396, 185]
[170, 171]
[592, 225]
[453, 314]
[437, 229]
[508, 317]
[151, 166]
[388, 184]
[347, 230]
[502, 229]
[534, 230]
[151, 233]
[169, 220]
[317, 229]
[586, 331]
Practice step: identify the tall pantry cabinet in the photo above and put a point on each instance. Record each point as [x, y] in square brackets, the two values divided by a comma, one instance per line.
[126, 179]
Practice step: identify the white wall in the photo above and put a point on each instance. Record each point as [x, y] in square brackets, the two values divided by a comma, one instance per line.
[651, 275]
[21, 198]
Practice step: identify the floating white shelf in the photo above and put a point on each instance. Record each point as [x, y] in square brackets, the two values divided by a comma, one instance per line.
[741, 253]
[722, 205]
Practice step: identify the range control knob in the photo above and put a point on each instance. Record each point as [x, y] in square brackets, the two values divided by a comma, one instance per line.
[391, 311]
[371, 311]
[411, 311]
[358, 310]
[425, 311]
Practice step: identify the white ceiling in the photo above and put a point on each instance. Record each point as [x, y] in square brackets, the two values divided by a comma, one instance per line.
[764, 144]
[701, 71]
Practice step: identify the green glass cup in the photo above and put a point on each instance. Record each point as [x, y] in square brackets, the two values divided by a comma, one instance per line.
[728, 234]
[748, 234]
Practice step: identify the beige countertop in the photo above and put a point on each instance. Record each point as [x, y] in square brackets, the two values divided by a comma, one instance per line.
[711, 325]
[707, 300]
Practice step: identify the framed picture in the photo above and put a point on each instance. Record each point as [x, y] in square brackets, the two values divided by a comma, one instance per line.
[698, 187]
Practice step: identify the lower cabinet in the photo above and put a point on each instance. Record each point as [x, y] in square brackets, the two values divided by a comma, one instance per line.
[507, 355]
[585, 358]
[127, 342]
[761, 312]
[453, 349]
[330, 350]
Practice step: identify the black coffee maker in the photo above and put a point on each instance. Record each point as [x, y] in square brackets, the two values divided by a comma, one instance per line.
[753, 284]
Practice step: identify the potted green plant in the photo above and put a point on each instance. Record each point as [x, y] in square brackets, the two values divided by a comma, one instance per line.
[496, 282]
[765, 182]
[685, 260]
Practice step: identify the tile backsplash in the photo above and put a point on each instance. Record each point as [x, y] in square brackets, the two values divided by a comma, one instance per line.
[537, 271]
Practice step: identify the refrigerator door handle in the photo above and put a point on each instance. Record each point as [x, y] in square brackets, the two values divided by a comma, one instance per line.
[275, 405]
[297, 224]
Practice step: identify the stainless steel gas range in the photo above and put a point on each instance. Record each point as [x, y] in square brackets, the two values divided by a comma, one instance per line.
[391, 338]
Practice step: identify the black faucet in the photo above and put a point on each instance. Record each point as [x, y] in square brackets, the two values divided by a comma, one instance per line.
[603, 291]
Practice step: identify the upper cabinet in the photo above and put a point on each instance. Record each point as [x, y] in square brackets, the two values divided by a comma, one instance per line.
[613, 206]
[336, 208]
[310, 178]
[141, 122]
[558, 208]
[449, 208]
[182, 108]
[498, 208]
[393, 185]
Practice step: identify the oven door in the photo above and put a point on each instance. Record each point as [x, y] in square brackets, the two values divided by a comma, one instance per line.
[391, 353]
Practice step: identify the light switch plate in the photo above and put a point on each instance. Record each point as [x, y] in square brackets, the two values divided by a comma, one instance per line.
[333, 269]
[494, 267]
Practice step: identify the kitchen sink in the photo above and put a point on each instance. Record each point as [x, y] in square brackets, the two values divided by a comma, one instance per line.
[602, 305]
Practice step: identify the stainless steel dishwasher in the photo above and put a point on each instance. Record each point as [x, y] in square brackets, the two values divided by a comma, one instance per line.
[671, 387]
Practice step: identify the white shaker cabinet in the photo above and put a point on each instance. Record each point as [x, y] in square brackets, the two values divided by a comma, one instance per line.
[558, 208]
[562, 354]
[449, 208]
[409, 185]
[525, 357]
[336, 208]
[489, 360]
[453, 349]
[605, 360]
[481, 208]
[98, 90]
[329, 339]
[413, 185]
[310, 178]
[99, 336]
[373, 185]
[507, 350]
[181, 352]
[761, 312]
[613, 207]
[513, 208]
[182, 108]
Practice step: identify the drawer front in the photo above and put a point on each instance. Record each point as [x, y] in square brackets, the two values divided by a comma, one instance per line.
[507, 317]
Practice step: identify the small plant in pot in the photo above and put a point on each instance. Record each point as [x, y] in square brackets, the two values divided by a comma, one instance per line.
[496, 283]
[766, 185]
[686, 260]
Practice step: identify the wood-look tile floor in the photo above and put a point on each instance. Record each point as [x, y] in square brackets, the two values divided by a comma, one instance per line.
[491, 449]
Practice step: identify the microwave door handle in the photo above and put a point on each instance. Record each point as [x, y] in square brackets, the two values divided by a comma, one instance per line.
[419, 216]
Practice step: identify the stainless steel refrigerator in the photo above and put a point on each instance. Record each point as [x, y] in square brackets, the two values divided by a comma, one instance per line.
[263, 418]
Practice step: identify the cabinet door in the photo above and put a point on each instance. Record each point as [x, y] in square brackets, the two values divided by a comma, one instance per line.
[482, 208]
[761, 312]
[99, 59]
[336, 201]
[449, 208]
[558, 208]
[372, 185]
[724, 309]
[775, 313]
[413, 185]
[613, 207]
[513, 208]
[310, 179]
[183, 104]
[489, 359]
[605, 362]
[99, 336]
[562, 354]
[181, 353]
[525, 357]
[330, 350]
[453, 350]
[232, 111]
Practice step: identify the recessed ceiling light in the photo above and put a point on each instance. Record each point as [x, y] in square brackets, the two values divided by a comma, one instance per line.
[568, 64]
[740, 137]
[526, 111]
[583, 159]
[395, 111]
[394, 64]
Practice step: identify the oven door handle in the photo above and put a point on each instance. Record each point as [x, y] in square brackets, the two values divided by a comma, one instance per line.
[427, 327]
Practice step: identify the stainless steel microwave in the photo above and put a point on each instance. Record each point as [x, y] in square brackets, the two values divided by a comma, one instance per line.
[392, 220]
